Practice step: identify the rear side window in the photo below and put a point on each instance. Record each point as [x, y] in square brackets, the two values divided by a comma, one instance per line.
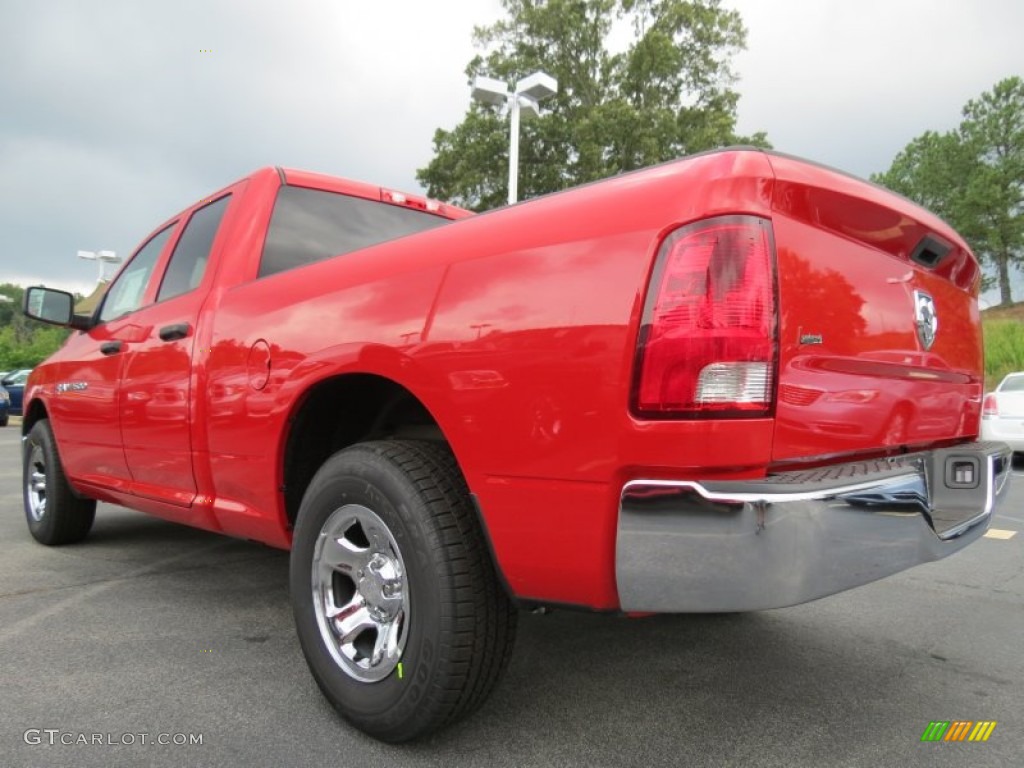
[192, 252]
[310, 225]
[1013, 384]
[125, 295]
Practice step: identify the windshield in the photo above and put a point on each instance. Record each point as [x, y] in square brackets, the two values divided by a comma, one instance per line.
[16, 378]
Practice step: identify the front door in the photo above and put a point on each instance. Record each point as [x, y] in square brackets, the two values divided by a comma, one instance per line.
[86, 401]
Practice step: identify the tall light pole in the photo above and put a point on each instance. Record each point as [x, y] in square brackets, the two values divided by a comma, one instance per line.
[523, 98]
[102, 258]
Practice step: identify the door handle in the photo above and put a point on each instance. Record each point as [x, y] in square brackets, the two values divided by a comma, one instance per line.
[175, 332]
[110, 347]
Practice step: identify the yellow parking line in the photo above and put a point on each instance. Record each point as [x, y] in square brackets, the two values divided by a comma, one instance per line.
[996, 533]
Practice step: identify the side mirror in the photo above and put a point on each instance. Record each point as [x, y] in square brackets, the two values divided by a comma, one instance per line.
[52, 306]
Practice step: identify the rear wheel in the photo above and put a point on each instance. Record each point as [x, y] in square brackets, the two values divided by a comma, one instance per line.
[55, 515]
[398, 607]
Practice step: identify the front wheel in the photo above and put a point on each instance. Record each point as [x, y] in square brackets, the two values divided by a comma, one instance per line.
[55, 515]
[397, 604]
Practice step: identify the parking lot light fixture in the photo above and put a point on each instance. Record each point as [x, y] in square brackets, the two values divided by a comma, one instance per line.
[524, 98]
[487, 90]
[102, 258]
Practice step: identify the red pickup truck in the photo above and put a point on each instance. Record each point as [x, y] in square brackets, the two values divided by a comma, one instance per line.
[732, 382]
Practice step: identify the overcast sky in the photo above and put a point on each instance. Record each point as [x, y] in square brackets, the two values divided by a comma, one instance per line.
[113, 118]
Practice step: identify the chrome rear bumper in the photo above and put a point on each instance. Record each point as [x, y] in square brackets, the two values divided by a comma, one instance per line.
[693, 547]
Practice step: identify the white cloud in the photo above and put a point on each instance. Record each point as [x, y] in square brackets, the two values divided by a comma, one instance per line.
[113, 119]
[849, 84]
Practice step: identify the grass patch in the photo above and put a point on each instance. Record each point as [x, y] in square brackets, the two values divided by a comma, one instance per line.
[1004, 343]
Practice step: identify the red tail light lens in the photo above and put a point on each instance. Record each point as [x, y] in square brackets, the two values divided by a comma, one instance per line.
[989, 406]
[708, 344]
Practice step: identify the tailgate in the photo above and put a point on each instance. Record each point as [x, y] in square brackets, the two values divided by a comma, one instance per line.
[880, 337]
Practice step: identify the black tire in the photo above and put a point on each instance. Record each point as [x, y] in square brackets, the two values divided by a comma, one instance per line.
[461, 623]
[55, 515]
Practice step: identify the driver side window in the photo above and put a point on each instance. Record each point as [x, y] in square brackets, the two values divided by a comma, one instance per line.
[125, 295]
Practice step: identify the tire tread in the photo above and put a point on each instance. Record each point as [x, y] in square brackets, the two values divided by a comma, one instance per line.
[485, 647]
[68, 517]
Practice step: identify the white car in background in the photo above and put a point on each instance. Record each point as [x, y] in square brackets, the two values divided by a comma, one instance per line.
[1002, 415]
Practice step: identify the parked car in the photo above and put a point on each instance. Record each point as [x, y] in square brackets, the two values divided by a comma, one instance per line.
[5, 406]
[14, 383]
[1002, 414]
[582, 400]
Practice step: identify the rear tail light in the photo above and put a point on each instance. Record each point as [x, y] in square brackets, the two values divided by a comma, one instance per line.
[989, 406]
[708, 341]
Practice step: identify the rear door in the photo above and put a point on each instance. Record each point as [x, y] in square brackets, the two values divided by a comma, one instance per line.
[156, 379]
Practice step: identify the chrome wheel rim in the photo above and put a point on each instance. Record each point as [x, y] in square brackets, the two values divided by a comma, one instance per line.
[360, 593]
[35, 483]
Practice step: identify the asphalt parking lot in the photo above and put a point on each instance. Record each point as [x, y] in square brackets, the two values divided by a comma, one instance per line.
[152, 628]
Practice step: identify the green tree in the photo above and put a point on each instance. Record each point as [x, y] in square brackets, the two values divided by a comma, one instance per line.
[10, 302]
[666, 95]
[24, 343]
[974, 177]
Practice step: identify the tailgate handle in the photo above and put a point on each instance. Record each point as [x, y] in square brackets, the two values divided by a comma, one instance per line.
[174, 332]
[110, 347]
[930, 251]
